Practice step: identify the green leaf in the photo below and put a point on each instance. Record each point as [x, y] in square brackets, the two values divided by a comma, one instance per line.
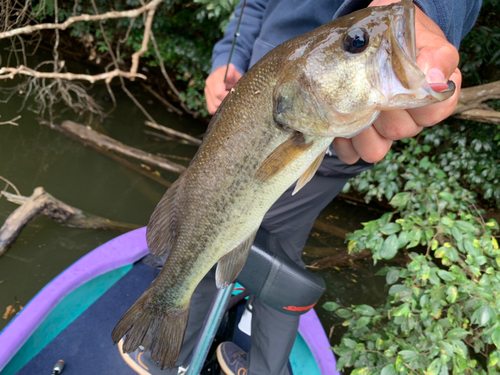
[408, 355]
[435, 367]
[344, 313]
[495, 337]
[457, 334]
[390, 228]
[331, 306]
[400, 200]
[365, 310]
[351, 344]
[389, 370]
[392, 276]
[465, 227]
[445, 275]
[361, 371]
[363, 321]
[402, 310]
[389, 247]
[482, 315]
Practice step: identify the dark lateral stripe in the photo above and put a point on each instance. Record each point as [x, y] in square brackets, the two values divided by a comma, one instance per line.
[285, 154]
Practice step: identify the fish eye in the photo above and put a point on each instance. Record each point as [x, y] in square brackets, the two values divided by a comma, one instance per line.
[356, 40]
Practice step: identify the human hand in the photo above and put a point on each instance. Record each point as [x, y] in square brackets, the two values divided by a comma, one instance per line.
[215, 88]
[438, 59]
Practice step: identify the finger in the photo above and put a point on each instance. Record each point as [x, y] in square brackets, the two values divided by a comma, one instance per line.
[435, 113]
[437, 57]
[215, 93]
[396, 125]
[345, 151]
[370, 145]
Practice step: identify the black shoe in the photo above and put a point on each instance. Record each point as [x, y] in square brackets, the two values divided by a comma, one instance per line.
[232, 359]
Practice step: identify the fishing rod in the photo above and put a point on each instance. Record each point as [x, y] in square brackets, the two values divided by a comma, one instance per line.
[236, 35]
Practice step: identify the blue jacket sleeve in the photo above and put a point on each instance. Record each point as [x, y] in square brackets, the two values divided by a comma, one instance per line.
[454, 17]
[249, 30]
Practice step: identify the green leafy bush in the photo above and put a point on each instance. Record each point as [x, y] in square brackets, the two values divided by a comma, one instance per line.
[442, 314]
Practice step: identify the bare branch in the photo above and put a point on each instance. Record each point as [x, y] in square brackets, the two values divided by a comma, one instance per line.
[11, 122]
[108, 76]
[161, 99]
[83, 17]
[145, 41]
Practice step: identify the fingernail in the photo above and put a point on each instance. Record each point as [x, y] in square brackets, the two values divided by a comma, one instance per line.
[436, 76]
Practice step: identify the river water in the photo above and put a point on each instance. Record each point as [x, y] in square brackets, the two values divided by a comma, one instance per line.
[33, 155]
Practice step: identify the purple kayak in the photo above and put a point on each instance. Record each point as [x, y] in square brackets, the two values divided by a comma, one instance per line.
[73, 315]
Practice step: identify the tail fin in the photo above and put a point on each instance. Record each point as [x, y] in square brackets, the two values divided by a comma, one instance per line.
[159, 332]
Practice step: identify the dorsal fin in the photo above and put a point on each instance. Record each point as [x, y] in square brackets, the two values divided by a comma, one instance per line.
[231, 264]
[162, 227]
[311, 171]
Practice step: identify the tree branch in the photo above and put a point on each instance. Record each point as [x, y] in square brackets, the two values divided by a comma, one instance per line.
[83, 17]
[42, 203]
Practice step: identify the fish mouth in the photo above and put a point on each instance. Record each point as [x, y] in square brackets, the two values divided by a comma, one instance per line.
[399, 79]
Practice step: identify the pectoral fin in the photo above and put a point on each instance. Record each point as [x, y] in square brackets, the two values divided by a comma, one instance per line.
[231, 264]
[311, 171]
[285, 154]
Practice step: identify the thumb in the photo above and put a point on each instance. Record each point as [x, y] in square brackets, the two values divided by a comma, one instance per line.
[437, 57]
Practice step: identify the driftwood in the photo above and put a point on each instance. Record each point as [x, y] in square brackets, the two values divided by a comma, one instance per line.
[103, 141]
[471, 104]
[152, 175]
[174, 133]
[42, 203]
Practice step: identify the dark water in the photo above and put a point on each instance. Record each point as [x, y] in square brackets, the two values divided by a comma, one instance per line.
[33, 155]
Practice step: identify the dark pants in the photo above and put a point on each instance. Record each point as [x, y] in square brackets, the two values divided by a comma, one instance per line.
[290, 220]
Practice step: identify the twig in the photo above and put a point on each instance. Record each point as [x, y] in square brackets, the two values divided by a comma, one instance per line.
[11, 122]
[173, 133]
[161, 99]
[11, 184]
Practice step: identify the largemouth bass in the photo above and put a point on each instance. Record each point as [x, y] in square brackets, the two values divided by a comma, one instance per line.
[271, 131]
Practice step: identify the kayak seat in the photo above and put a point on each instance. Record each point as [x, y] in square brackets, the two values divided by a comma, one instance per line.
[270, 275]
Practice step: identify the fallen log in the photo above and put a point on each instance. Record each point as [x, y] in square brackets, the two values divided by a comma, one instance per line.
[42, 203]
[471, 103]
[152, 175]
[108, 143]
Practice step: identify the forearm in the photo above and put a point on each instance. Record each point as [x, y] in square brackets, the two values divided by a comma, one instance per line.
[249, 29]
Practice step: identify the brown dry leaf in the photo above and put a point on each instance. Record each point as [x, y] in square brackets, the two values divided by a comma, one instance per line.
[10, 310]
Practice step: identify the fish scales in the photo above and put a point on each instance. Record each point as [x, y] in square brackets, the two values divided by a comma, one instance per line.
[271, 129]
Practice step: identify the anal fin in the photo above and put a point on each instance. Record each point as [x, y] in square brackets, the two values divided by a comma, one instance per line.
[162, 226]
[231, 264]
[306, 177]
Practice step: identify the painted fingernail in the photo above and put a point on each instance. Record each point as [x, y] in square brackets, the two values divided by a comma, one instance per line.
[436, 76]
